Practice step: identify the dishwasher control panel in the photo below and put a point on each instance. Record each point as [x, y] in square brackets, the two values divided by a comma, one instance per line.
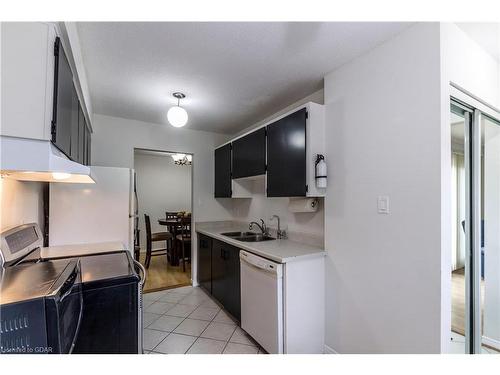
[262, 263]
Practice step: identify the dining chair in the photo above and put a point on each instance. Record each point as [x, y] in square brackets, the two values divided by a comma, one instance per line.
[137, 245]
[172, 217]
[154, 237]
[183, 238]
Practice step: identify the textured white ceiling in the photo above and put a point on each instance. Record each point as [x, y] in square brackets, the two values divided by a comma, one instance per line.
[233, 74]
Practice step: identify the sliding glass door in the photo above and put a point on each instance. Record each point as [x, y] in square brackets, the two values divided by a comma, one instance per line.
[475, 203]
[490, 234]
[461, 183]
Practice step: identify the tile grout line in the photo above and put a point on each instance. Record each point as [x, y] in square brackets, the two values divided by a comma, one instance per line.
[210, 322]
[175, 304]
[169, 333]
[184, 318]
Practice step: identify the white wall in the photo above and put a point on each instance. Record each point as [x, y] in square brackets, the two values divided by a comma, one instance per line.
[113, 143]
[20, 203]
[383, 137]
[161, 186]
[465, 63]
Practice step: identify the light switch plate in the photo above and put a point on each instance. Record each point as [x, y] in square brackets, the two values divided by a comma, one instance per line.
[383, 204]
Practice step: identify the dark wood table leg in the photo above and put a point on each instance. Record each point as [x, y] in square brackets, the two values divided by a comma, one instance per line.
[175, 255]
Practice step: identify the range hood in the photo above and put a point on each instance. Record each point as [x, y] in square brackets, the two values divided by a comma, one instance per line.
[36, 160]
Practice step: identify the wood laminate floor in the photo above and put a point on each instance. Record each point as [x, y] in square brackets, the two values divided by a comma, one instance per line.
[161, 275]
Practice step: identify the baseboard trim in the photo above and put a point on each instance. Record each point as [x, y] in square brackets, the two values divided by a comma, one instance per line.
[495, 344]
[329, 350]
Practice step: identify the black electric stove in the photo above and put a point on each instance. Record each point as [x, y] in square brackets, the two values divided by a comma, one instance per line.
[112, 297]
[40, 307]
[112, 301]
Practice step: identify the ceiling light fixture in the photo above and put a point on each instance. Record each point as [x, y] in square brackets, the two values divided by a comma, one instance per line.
[177, 116]
[182, 159]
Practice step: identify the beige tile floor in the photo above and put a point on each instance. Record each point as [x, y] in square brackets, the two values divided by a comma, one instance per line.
[187, 320]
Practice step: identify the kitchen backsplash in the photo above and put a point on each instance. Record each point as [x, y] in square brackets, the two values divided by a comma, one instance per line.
[20, 203]
[302, 227]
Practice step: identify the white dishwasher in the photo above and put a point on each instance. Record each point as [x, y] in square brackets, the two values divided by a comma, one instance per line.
[262, 301]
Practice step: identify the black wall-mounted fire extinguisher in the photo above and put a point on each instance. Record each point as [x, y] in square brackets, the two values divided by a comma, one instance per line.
[320, 172]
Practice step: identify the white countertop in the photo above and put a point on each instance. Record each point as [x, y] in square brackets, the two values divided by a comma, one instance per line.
[80, 249]
[281, 251]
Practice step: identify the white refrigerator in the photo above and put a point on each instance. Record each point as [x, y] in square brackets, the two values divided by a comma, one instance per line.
[91, 213]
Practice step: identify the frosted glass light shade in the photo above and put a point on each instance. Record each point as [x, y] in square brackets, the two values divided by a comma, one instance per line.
[177, 116]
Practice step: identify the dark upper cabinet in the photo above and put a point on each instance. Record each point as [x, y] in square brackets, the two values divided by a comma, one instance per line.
[69, 127]
[205, 262]
[74, 127]
[81, 137]
[226, 277]
[86, 145]
[286, 156]
[64, 104]
[223, 171]
[249, 154]
[88, 148]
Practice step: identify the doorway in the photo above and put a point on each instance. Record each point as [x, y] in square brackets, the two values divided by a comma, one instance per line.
[475, 213]
[163, 224]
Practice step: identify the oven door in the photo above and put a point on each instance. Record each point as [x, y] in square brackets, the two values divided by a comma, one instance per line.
[67, 311]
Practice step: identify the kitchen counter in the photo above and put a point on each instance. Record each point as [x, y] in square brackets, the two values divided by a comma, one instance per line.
[80, 249]
[281, 251]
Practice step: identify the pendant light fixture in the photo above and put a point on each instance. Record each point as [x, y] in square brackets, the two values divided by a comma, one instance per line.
[177, 116]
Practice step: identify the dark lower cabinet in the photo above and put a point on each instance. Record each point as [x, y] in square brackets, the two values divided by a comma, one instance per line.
[286, 156]
[223, 172]
[223, 277]
[205, 262]
[109, 321]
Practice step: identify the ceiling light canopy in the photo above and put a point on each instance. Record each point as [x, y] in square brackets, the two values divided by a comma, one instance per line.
[177, 116]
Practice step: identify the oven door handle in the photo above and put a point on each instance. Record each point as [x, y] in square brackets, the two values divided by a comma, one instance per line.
[143, 273]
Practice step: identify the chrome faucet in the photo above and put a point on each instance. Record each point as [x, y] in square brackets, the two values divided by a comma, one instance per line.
[280, 234]
[262, 227]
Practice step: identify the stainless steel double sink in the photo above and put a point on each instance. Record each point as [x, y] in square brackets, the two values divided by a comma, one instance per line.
[248, 236]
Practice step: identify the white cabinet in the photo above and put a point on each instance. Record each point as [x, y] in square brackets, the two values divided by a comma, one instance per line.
[304, 306]
[27, 79]
[315, 144]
